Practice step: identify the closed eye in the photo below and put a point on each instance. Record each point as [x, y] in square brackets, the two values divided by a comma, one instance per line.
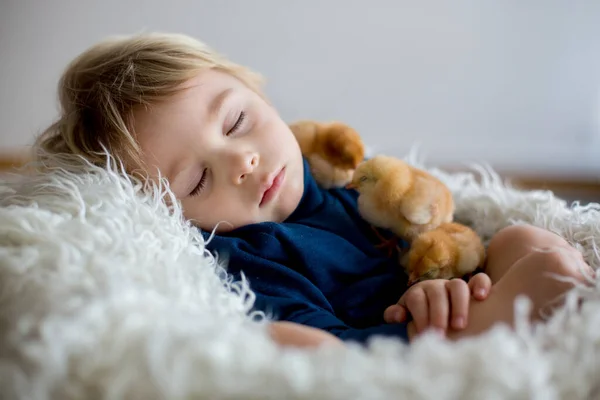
[238, 124]
[200, 186]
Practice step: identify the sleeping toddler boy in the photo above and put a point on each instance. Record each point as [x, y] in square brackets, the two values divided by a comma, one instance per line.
[167, 105]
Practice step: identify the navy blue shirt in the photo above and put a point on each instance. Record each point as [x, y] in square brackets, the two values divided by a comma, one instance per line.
[319, 267]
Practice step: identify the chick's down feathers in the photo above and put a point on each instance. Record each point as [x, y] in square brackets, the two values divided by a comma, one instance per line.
[333, 150]
[396, 196]
[450, 251]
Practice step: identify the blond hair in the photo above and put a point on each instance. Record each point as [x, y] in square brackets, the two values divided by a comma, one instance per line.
[100, 89]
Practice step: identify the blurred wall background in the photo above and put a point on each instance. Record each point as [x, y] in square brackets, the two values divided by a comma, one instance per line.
[513, 83]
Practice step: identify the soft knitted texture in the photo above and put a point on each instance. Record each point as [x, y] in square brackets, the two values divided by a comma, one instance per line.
[107, 293]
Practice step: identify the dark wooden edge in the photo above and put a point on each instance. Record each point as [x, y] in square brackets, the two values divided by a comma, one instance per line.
[13, 160]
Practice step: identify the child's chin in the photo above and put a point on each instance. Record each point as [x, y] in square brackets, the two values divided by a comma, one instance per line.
[288, 204]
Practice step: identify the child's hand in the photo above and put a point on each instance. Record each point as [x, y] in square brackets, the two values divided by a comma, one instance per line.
[440, 303]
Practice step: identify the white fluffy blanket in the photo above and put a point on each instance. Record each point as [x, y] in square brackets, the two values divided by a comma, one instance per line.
[106, 293]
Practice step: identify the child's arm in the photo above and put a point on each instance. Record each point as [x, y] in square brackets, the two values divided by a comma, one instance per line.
[284, 294]
[293, 309]
[296, 335]
[284, 290]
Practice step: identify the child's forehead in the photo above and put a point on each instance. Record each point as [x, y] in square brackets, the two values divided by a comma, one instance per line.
[209, 83]
[201, 95]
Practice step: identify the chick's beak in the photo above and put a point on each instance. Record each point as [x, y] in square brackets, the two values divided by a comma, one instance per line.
[351, 185]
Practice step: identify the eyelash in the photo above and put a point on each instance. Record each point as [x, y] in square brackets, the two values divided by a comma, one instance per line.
[202, 182]
[237, 124]
[200, 186]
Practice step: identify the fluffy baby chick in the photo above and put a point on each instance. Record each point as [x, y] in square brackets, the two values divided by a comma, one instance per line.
[450, 251]
[396, 196]
[333, 150]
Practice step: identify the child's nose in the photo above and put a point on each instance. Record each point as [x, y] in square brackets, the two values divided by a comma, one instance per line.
[244, 164]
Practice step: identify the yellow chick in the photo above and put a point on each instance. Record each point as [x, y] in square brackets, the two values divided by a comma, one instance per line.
[332, 149]
[396, 196]
[450, 251]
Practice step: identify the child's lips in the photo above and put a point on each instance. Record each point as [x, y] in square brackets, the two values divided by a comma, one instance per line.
[273, 187]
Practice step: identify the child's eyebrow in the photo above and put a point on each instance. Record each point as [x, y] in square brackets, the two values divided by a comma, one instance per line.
[217, 103]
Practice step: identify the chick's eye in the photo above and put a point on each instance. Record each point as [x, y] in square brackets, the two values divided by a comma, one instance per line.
[429, 275]
[363, 178]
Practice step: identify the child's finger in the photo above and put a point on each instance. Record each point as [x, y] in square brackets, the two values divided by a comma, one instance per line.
[480, 286]
[395, 314]
[416, 303]
[439, 307]
[459, 300]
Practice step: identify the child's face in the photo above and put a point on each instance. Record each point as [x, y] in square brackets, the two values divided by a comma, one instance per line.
[227, 154]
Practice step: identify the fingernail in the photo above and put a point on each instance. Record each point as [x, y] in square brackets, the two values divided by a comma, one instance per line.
[480, 292]
[459, 322]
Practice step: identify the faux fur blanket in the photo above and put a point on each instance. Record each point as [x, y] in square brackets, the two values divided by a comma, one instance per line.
[106, 293]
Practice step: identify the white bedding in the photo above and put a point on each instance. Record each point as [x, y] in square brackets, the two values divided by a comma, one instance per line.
[106, 293]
